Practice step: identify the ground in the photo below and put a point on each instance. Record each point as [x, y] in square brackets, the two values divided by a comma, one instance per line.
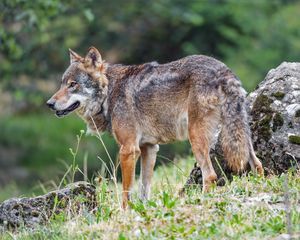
[249, 207]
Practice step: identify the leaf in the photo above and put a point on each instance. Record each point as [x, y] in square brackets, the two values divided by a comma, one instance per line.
[89, 15]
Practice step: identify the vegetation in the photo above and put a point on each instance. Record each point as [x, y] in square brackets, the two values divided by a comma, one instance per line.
[247, 208]
[251, 37]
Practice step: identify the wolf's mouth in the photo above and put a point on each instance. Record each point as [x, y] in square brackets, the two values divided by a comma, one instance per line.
[60, 113]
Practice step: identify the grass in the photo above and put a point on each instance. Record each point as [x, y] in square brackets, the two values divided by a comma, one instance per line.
[249, 207]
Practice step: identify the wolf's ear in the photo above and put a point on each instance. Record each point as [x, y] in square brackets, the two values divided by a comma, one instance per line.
[74, 57]
[93, 58]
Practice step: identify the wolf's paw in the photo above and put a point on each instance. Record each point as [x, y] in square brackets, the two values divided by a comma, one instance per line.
[260, 170]
[208, 182]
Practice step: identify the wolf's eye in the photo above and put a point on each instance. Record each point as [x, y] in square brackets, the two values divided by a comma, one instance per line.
[72, 84]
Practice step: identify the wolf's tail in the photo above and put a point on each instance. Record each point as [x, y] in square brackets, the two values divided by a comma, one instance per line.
[235, 132]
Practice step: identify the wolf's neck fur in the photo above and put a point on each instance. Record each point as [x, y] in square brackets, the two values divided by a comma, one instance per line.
[95, 114]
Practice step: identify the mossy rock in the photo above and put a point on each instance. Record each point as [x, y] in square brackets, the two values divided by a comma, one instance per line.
[277, 121]
[262, 114]
[271, 104]
[262, 104]
[278, 95]
[294, 139]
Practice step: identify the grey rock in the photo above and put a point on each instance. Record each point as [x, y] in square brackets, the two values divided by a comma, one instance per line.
[31, 212]
[292, 109]
[274, 123]
[274, 110]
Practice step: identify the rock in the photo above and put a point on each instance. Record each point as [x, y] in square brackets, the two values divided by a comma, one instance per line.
[275, 124]
[31, 212]
[274, 109]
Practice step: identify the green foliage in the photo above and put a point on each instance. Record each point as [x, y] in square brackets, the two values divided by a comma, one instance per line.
[167, 201]
[22, 22]
[104, 210]
[250, 36]
[42, 141]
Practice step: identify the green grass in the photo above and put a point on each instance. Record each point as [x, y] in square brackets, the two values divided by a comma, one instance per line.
[249, 207]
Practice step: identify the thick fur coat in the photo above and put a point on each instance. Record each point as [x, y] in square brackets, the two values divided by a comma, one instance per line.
[150, 104]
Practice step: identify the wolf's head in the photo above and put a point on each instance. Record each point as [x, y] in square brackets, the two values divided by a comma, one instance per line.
[83, 85]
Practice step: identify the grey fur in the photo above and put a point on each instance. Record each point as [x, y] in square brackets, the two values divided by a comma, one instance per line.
[149, 104]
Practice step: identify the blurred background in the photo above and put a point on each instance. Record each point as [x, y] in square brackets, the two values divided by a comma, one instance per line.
[251, 37]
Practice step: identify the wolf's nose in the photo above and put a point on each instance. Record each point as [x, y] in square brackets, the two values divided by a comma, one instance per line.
[50, 104]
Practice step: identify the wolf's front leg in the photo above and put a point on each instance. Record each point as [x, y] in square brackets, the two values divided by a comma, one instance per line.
[148, 154]
[128, 156]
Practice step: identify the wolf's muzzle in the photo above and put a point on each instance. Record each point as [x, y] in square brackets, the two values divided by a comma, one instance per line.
[50, 103]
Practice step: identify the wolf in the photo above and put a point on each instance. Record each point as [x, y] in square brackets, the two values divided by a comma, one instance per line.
[145, 105]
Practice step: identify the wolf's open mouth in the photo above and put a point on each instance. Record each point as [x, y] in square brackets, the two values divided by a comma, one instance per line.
[60, 113]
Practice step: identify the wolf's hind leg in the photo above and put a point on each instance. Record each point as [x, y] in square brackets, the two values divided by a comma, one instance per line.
[148, 159]
[201, 130]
